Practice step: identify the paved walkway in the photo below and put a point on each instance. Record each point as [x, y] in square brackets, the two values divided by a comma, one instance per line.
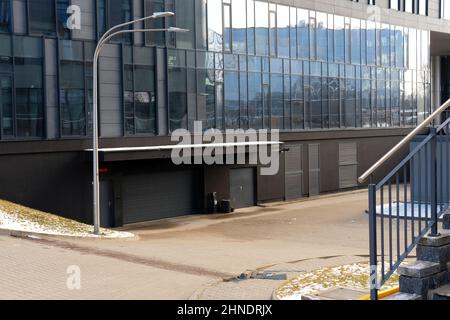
[190, 257]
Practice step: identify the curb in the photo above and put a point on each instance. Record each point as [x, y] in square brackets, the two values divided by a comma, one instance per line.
[31, 235]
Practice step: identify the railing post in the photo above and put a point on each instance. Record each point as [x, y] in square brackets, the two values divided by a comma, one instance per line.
[373, 242]
[433, 186]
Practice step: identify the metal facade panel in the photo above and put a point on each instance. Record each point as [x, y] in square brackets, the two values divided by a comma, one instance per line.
[348, 165]
[294, 172]
[314, 169]
[242, 187]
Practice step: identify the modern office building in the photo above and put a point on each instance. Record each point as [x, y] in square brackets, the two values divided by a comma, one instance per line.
[343, 81]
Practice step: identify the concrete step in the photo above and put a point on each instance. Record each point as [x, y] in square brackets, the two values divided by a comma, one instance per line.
[419, 269]
[404, 296]
[441, 293]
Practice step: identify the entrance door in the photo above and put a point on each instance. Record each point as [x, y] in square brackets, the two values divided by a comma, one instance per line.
[242, 185]
[106, 204]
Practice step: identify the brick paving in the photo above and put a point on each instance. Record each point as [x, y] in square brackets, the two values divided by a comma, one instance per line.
[190, 257]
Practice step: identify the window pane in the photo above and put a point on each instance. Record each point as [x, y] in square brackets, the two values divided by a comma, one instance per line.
[276, 94]
[356, 41]
[185, 19]
[409, 6]
[250, 26]
[42, 16]
[262, 28]
[303, 33]
[215, 34]
[239, 26]
[227, 25]
[154, 38]
[6, 105]
[61, 7]
[283, 31]
[297, 103]
[5, 15]
[322, 36]
[273, 29]
[29, 97]
[293, 32]
[371, 41]
[339, 38]
[255, 100]
[119, 11]
[200, 23]
[177, 98]
[231, 103]
[394, 4]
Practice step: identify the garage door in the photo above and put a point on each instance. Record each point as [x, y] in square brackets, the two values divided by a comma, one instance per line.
[160, 195]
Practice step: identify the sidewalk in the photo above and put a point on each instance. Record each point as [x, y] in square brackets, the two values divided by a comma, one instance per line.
[190, 257]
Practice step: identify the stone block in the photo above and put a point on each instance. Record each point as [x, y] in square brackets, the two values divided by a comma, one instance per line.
[434, 254]
[421, 286]
[439, 241]
[419, 269]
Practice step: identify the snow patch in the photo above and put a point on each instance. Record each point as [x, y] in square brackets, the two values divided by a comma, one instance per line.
[14, 217]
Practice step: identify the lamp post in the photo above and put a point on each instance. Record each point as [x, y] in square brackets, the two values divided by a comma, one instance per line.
[103, 40]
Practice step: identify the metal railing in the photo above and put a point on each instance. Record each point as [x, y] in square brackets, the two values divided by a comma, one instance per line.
[437, 113]
[406, 204]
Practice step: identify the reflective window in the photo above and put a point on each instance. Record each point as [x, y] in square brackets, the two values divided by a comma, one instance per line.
[231, 101]
[262, 28]
[5, 15]
[273, 29]
[200, 24]
[112, 13]
[322, 36]
[186, 20]
[250, 26]
[42, 18]
[445, 9]
[227, 31]
[215, 33]
[293, 33]
[339, 38]
[385, 45]
[303, 33]
[255, 100]
[239, 34]
[28, 75]
[394, 4]
[140, 93]
[154, 38]
[283, 31]
[371, 43]
[409, 6]
[277, 98]
[61, 7]
[177, 85]
[356, 41]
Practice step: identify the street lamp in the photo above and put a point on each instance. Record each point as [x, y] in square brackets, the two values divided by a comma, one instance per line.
[103, 40]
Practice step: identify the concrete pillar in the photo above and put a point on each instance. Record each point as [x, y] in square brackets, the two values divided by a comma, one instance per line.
[436, 82]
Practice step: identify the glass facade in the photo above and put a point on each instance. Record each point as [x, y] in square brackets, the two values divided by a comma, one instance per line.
[243, 64]
[297, 69]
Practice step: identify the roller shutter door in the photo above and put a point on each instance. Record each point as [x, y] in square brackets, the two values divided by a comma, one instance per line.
[159, 195]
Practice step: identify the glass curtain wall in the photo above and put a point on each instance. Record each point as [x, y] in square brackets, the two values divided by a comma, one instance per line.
[303, 69]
